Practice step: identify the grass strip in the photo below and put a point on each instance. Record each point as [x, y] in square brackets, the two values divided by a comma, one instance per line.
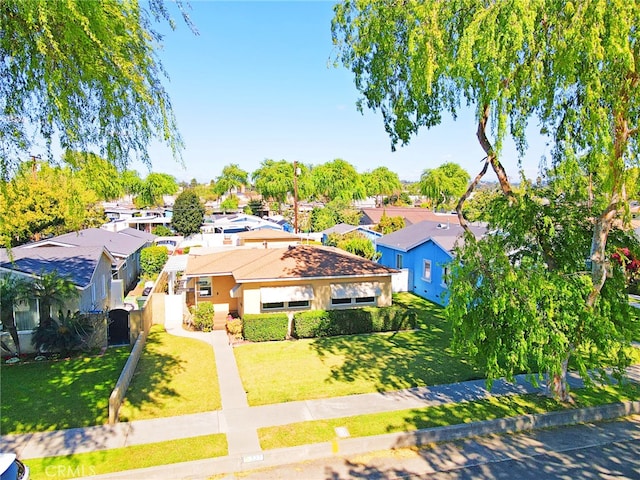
[128, 458]
[59, 394]
[175, 376]
[319, 431]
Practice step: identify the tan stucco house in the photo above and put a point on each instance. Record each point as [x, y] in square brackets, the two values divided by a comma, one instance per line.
[300, 277]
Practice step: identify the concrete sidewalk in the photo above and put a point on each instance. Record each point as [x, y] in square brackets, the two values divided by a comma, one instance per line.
[240, 422]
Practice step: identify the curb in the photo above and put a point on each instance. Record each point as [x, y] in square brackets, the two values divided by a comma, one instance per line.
[353, 446]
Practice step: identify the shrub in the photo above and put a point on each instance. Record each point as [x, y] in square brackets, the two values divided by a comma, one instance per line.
[203, 316]
[152, 259]
[234, 327]
[63, 335]
[162, 231]
[327, 323]
[264, 327]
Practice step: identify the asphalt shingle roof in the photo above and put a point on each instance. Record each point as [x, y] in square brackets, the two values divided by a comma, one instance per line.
[410, 237]
[300, 261]
[120, 244]
[77, 264]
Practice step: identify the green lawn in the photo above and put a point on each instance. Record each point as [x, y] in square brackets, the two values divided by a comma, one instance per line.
[59, 394]
[175, 376]
[305, 433]
[128, 458]
[275, 372]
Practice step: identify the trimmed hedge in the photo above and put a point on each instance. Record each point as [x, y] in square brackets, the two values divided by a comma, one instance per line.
[264, 327]
[328, 323]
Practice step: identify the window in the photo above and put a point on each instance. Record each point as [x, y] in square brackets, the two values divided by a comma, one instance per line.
[340, 301]
[426, 272]
[398, 261]
[204, 287]
[445, 275]
[104, 286]
[26, 314]
[366, 300]
[285, 305]
[273, 306]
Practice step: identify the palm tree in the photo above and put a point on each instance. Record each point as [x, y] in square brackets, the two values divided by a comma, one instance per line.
[12, 290]
[53, 290]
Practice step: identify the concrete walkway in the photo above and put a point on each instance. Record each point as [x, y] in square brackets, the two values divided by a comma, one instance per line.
[240, 422]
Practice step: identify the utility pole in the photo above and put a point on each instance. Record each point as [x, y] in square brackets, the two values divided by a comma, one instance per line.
[295, 197]
[34, 165]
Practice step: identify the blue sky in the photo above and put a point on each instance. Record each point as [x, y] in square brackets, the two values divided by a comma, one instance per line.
[258, 82]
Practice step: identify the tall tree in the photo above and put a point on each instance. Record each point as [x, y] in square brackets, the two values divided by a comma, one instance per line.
[53, 291]
[188, 213]
[85, 75]
[337, 180]
[571, 65]
[445, 184]
[153, 187]
[44, 200]
[381, 181]
[274, 180]
[232, 177]
[96, 173]
[12, 290]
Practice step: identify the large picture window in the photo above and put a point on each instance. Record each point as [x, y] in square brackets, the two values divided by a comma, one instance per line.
[364, 293]
[26, 314]
[286, 298]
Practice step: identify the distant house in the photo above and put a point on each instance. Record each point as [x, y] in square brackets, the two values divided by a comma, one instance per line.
[301, 277]
[124, 246]
[345, 228]
[88, 268]
[424, 251]
[410, 215]
[237, 222]
[267, 238]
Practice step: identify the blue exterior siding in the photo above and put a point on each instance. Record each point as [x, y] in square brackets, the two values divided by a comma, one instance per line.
[414, 260]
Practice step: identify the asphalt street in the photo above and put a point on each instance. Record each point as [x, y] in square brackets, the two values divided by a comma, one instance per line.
[604, 450]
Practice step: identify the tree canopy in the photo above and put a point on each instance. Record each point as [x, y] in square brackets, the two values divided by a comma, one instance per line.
[85, 76]
[188, 213]
[337, 180]
[444, 184]
[572, 67]
[232, 177]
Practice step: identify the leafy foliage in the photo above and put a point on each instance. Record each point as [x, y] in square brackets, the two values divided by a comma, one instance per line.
[12, 290]
[64, 334]
[230, 204]
[188, 213]
[517, 297]
[53, 290]
[153, 259]
[265, 327]
[444, 185]
[337, 180]
[232, 177]
[83, 73]
[203, 316]
[389, 224]
[360, 245]
[334, 212]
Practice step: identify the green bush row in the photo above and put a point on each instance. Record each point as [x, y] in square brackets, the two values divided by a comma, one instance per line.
[264, 327]
[327, 323]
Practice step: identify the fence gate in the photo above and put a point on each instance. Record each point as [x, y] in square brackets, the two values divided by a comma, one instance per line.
[118, 330]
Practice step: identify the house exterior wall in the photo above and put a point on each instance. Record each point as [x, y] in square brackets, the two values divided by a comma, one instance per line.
[220, 293]
[251, 301]
[96, 296]
[413, 260]
[248, 299]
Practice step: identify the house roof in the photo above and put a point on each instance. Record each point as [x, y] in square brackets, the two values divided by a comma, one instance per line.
[149, 237]
[410, 237]
[77, 264]
[411, 215]
[118, 243]
[344, 228]
[295, 262]
[268, 234]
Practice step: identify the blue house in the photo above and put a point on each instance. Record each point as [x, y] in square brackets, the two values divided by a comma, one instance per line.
[424, 250]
